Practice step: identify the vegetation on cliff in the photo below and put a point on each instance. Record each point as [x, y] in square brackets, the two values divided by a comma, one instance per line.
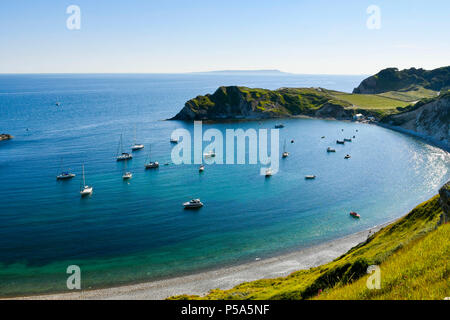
[397, 248]
[253, 103]
[392, 79]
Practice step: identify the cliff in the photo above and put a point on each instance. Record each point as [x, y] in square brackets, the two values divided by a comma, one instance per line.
[428, 118]
[247, 103]
[392, 79]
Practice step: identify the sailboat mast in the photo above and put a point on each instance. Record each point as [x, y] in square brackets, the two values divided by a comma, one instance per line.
[84, 180]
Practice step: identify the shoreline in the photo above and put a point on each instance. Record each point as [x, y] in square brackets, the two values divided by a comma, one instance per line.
[223, 278]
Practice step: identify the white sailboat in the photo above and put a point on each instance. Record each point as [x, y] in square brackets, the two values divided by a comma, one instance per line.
[285, 153]
[85, 189]
[136, 146]
[151, 164]
[64, 175]
[126, 174]
[121, 156]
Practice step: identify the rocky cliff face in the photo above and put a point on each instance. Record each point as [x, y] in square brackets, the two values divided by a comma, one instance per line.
[444, 194]
[246, 103]
[429, 119]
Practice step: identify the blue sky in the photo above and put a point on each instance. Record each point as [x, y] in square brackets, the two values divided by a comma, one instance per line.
[148, 36]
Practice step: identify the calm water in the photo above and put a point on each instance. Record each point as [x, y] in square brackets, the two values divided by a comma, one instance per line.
[129, 232]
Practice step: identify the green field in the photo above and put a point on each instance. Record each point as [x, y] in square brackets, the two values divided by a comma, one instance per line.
[370, 101]
[412, 248]
[411, 95]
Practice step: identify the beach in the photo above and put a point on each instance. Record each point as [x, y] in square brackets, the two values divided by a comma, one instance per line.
[223, 278]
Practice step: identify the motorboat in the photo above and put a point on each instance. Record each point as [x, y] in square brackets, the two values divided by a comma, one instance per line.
[127, 176]
[193, 204]
[354, 214]
[347, 156]
[279, 126]
[202, 168]
[348, 139]
[269, 172]
[209, 154]
[174, 140]
[310, 177]
[329, 149]
[340, 141]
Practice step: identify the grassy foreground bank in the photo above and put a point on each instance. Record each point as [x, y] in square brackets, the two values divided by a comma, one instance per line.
[413, 254]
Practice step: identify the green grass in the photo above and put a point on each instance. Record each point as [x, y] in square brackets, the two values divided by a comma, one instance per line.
[344, 270]
[371, 101]
[411, 95]
[420, 270]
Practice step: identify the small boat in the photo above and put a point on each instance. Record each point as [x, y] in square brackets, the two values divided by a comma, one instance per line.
[193, 204]
[202, 168]
[340, 141]
[292, 141]
[310, 177]
[279, 126]
[354, 137]
[174, 140]
[85, 190]
[348, 139]
[57, 103]
[354, 214]
[136, 146]
[347, 156]
[121, 156]
[269, 172]
[285, 153]
[126, 174]
[323, 137]
[209, 154]
[329, 149]
[64, 175]
[151, 164]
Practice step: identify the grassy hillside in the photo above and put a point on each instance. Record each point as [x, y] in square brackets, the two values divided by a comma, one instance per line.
[392, 79]
[378, 249]
[420, 270]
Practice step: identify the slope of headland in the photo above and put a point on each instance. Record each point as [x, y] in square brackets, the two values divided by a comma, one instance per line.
[413, 254]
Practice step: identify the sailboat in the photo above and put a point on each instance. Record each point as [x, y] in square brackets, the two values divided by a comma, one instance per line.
[64, 175]
[85, 189]
[285, 153]
[151, 164]
[122, 155]
[136, 146]
[126, 174]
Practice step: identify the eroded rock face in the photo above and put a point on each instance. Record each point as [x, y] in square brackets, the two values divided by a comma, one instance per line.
[444, 193]
[430, 120]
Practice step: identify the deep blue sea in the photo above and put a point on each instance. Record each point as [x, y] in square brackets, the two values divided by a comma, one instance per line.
[134, 231]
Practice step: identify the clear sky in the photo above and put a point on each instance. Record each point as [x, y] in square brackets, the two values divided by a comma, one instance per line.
[149, 36]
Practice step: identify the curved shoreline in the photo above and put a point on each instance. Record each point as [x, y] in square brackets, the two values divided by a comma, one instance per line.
[225, 277]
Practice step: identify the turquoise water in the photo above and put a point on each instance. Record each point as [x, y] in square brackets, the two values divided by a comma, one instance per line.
[135, 231]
